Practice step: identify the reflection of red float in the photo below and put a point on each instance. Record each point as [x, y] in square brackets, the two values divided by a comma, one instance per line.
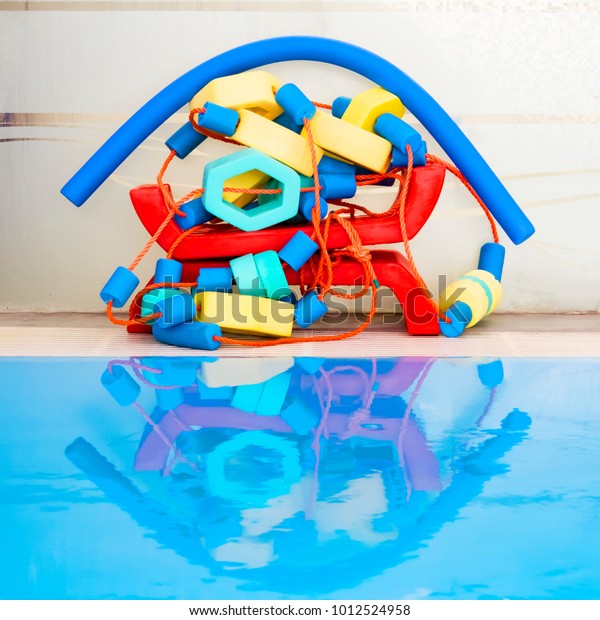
[391, 268]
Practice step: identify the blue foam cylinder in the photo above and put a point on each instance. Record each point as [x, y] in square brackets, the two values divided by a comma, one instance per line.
[298, 250]
[168, 270]
[398, 132]
[460, 316]
[285, 120]
[491, 259]
[307, 204]
[218, 119]
[400, 159]
[195, 214]
[290, 298]
[196, 335]
[335, 186]
[309, 309]
[120, 287]
[215, 279]
[185, 140]
[330, 165]
[120, 385]
[339, 106]
[295, 103]
[175, 310]
[252, 55]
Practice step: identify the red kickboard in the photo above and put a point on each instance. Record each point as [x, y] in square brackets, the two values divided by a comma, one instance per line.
[425, 188]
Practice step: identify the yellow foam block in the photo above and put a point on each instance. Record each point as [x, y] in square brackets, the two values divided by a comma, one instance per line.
[251, 90]
[245, 314]
[366, 107]
[276, 141]
[249, 180]
[350, 142]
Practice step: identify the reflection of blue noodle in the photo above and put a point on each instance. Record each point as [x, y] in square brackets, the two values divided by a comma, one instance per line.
[474, 470]
[122, 492]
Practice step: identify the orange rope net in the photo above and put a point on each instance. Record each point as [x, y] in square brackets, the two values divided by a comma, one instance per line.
[319, 269]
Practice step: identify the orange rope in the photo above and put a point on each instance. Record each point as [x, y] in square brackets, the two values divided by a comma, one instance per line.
[325, 106]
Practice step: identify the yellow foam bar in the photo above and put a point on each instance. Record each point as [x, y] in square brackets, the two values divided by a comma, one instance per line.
[246, 314]
[366, 107]
[251, 90]
[276, 141]
[350, 142]
[252, 179]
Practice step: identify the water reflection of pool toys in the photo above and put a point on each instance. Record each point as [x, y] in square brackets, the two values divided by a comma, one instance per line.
[351, 492]
[274, 199]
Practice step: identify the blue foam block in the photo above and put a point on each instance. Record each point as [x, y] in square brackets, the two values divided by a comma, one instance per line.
[296, 104]
[491, 259]
[285, 120]
[398, 132]
[339, 106]
[119, 287]
[218, 119]
[330, 165]
[195, 214]
[400, 159]
[214, 279]
[309, 309]
[336, 186]
[298, 250]
[185, 140]
[167, 270]
[307, 204]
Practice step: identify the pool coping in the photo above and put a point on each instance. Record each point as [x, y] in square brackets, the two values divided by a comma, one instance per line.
[25, 335]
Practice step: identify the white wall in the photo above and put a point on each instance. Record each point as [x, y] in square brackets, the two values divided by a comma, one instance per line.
[521, 78]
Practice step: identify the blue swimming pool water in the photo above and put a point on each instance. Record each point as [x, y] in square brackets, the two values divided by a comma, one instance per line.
[290, 478]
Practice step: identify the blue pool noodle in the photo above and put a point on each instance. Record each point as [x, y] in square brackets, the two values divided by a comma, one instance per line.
[172, 98]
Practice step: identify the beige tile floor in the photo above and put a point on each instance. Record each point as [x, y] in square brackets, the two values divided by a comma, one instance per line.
[499, 336]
